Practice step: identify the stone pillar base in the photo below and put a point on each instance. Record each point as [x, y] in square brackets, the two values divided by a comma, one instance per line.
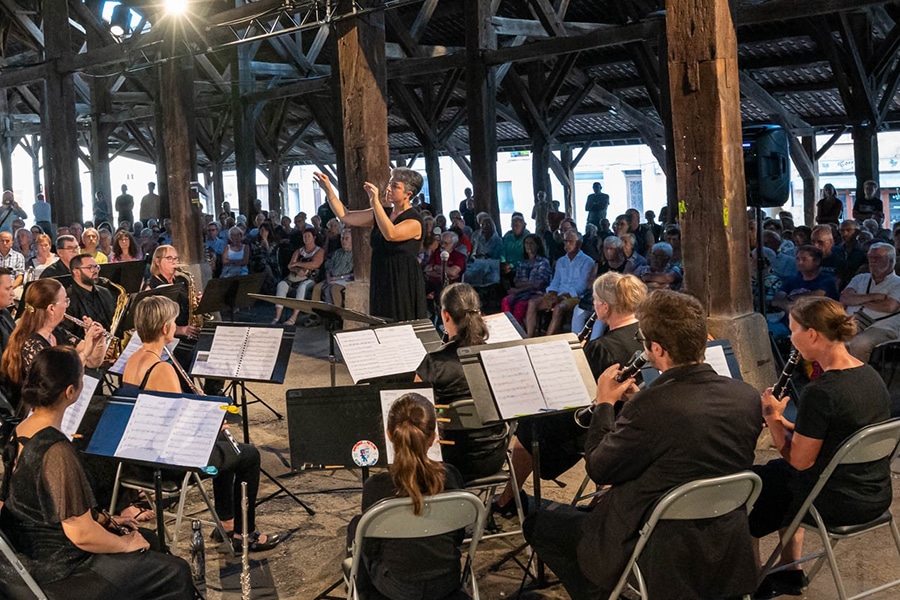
[749, 337]
[356, 297]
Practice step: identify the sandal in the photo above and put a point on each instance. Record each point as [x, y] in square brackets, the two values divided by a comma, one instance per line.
[272, 540]
[291, 321]
[143, 514]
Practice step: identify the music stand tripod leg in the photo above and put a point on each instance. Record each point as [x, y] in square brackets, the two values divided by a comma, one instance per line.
[283, 489]
[256, 398]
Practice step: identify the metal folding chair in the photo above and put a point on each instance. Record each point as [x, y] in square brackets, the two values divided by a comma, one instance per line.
[701, 499]
[393, 519]
[869, 444]
[10, 588]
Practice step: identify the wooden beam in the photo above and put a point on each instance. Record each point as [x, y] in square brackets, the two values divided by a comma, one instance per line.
[765, 101]
[422, 19]
[831, 141]
[547, 16]
[535, 30]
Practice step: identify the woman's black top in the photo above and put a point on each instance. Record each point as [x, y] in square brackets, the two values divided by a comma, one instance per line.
[615, 346]
[47, 487]
[397, 288]
[37, 342]
[184, 302]
[442, 369]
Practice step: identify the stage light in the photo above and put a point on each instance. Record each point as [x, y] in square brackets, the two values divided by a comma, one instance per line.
[118, 24]
[176, 7]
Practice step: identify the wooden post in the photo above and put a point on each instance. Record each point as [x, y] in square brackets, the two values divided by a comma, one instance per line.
[244, 134]
[218, 187]
[706, 122]
[162, 170]
[35, 155]
[7, 144]
[569, 169]
[100, 180]
[58, 132]
[433, 169]
[865, 155]
[810, 184]
[276, 189]
[666, 116]
[481, 104]
[178, 144]
[362, 89]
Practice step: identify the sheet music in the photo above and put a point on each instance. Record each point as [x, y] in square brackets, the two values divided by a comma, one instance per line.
[501, 329]
[239, 353]
[360, 351]
[134, 344]
[401, 344]
[260, 353]
[75, 413]
[372, 353]
[172, 431]
[511, 377]
[715, 357]
[387, 399]
[558, 375]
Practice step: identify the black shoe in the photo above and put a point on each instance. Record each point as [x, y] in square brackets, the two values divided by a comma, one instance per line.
[782, 583]
[508, 510]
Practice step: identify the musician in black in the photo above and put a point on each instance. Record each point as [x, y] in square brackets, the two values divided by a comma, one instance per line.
[163, 271]
[7, 323]
[86, 297]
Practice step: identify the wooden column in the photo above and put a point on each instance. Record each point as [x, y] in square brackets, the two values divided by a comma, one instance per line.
[362, 88]
[100, 132]
[244, 135]
[666, 116]
[58, 131]
[7, 144]
[276, 189]
[35, 155]
[865, 155]
[706, 123]
[481, 106]
[218, 186]
[433, 169]
[162, 170]
[179, 146]
[810, 184]
[569, 168]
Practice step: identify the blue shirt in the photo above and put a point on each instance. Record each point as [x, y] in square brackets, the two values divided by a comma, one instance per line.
[796, 286]
[42, 212]
[571, 275]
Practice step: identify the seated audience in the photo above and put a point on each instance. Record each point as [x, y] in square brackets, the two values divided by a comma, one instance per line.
[661, 273]
[338, 271]
[236, 256]
[487, 243]
[633, 260]
[533, 275]
[436, 271]
[48, 505]
[874, 300]
[91, 240]
[514, 243]
[425, 569]
[43, 257]
[125, 248]
[571, 277]
[302, 272]
[689, 424]
[809, 281]
[847, 397]
[264, 257]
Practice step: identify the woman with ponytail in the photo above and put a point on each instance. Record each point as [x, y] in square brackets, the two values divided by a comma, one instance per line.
[477, 451]
[417, 569]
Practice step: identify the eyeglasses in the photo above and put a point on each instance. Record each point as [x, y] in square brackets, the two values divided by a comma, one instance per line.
[171, 258]
[639, 338]
[67, 248]
[66, 301]
[90, 268]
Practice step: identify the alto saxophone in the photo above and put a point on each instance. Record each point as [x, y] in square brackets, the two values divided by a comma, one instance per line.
[115, 349]
[194, 318]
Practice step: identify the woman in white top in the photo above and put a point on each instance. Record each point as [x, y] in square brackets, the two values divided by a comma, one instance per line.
[236, 256]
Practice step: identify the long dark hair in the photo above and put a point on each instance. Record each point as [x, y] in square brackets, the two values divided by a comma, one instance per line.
[53, 370]
[462, 303]
[411, 423]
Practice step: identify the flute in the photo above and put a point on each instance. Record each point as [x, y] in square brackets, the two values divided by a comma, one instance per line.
[199, 391]
[109, 337]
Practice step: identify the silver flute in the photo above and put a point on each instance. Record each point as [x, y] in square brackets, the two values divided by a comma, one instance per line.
[245, 545]
[109, 337]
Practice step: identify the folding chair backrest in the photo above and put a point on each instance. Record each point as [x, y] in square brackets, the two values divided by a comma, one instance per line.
[12, 558]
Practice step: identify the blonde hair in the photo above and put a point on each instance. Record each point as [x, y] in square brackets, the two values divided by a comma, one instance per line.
[157, 258]
[623, 293]
[151, 315]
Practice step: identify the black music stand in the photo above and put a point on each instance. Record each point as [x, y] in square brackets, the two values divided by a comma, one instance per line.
[109, 433]
[65, 280]
[238, 387]
[330, 314]
[128, 274]
[488, 408]
[171, 291]
[231, 293]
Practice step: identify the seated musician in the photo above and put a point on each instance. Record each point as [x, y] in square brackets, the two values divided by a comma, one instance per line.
[421, 569]
[39, 327]
[477, 451]
[48, 507]
[616, 297]
[7, 324]
[689, 424]
[67, 248]
[164, 271]
[86, 297]
[154, 321]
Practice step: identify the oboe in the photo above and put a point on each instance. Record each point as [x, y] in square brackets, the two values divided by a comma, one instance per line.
[584, 415]
[588, 327]
[199, 392]
[109, 337]
[781, 384]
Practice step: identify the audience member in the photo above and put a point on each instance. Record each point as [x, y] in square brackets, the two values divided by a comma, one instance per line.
[302, 272]
[660, 273]
[533, 275]
[43, 214]
[570, 278]
[467, 209]
[264, 257]
[13, 260]
[43, 257]
[596, 205]
[873, 298]
[633, 259]
[870, 206]
[338, 271]
[437, 271]
[91, 238]
[236, 256]
[149, 203]
[487, 243]
[125, 248]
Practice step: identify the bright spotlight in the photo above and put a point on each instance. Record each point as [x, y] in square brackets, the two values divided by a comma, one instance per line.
[176, 7]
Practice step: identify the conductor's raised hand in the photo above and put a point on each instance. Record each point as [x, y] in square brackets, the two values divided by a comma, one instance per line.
[322, 179]
[372, 191]
[609, 390]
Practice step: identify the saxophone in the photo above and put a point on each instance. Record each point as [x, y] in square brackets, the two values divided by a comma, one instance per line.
[194, 318]
[115, 349]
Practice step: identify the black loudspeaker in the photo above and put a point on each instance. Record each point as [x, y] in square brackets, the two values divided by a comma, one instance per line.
[766, 165]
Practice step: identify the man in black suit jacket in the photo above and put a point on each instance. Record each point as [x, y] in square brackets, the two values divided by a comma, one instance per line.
[7, 324]
[689, 424]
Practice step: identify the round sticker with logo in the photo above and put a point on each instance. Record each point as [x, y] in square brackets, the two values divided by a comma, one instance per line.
[365, 453]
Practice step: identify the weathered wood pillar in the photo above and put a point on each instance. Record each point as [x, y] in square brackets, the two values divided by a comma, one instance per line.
[218, 185]
[669, 135]
[58, 131]
[361, 85]
[35, 155]
[179, 145]
[706, 122]
[810, 184]
[162, 170]
[569, 191]
[865, 155]
[481, 106]
[244, 131]
[7, 144]
[276, 188]
[100, 132]
[433, 169]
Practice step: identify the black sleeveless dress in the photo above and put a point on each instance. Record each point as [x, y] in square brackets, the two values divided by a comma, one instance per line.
[397, 285]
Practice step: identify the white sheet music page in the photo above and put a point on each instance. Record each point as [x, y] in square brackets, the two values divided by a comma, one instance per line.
[360, 350]
[501, 329]
[558, 375]
[194, 433]
[134, 344]
[75, 413]
[400, 346]
[147, 433]
[260, 353]
[387, 399]
[512, 381]
[224, 356]
[715, 357]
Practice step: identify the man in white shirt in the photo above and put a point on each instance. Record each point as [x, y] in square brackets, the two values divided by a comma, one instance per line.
[11, 259]
[874, 299]
[570, 279]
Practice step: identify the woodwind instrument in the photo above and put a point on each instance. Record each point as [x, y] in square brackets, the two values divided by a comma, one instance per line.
[121, 302]
[245, 545]
[109, 337]
[194, 318]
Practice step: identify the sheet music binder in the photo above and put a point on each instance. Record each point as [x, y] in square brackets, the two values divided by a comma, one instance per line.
[285, 342]
[391, 372]
[480, 388]
[734, 370]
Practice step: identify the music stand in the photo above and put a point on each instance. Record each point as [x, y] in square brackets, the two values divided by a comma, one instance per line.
[65, 280]
[330, 314]
[172, 292]
[238, 386]
[129, 274]
[230, 293]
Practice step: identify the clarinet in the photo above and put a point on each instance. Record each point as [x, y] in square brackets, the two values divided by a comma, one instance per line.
[584, 415]
[588, 327]
[780, 385]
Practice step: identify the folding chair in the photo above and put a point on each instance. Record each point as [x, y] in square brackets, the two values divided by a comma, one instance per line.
[171, 489]
[701, 499]
[30, 589]
[394, 519]
[869, 444]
